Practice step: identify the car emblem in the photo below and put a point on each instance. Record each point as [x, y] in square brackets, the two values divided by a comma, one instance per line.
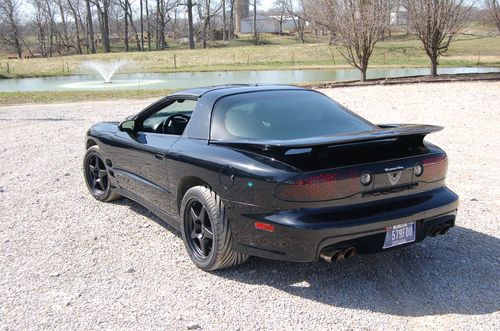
[394, 177]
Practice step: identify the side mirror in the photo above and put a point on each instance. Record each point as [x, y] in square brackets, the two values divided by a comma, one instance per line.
[127, 126]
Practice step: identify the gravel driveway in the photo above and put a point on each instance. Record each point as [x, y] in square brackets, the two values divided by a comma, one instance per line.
[67, 261]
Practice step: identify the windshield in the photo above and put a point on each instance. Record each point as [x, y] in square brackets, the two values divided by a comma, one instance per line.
[282, 115]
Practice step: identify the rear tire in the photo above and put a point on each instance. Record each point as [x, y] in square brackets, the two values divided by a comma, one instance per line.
[97, 175]
[206, 231]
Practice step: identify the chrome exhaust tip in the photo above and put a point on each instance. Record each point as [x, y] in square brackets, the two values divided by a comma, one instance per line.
[445, 229]
[435, 231]
[330, 255]
[350, 252]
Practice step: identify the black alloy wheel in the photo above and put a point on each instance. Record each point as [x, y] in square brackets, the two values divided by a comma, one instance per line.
[97, 175]
[199, 228]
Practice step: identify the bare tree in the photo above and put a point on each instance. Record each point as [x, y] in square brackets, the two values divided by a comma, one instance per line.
[493, 7]
[9, 25]
[231, 20]
[142, 24]
[103, 7]
[359, 24]
[436, 23]
[296, 11]
[74, 9]
[90, 28]
[255, 32]
[281, 7]
[207, 10]
[190, 24]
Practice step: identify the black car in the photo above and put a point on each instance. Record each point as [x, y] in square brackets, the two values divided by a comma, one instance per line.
[278, 172]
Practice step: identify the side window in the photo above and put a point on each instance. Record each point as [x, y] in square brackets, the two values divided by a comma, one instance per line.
[171, 118]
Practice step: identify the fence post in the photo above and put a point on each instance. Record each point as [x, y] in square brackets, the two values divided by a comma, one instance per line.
[478, 57]
[175, 61]
[248, 59]
[333, 56]
[8, 68]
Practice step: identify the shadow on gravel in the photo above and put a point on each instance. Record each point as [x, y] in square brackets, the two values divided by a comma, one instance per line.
[454, 274]
[136, 207]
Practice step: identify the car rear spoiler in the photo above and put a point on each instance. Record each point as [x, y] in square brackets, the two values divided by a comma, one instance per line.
[411, 133]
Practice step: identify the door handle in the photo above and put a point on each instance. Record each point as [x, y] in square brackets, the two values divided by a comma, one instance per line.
[159, 156]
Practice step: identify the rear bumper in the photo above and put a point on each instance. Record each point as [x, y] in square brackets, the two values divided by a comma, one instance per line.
[300, 235]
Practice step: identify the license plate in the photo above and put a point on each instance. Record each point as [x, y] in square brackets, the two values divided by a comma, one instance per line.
[399, 235]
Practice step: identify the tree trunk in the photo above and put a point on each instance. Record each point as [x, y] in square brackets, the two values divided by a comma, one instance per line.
[105, 21]
[231, 21]
[434, 64]
[190, 24]
[90, 39]
[142, 27]
[363, 74]
[126, 25]
[148, 25]
[255, 33]
[205, 32]
[157, 25]
[224, 23]
[136, 34]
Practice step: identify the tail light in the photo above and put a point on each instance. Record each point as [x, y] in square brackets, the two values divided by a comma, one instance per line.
[319, 187]
[435, 168]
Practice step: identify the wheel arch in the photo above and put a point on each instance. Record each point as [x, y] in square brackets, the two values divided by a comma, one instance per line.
[90, 142]
[185, 184]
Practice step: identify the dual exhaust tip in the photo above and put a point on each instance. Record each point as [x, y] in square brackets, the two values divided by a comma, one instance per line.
[336, 254]
[439, 230]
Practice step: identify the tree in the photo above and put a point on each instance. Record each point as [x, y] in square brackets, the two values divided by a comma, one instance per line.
[90, 28]
[436, 23]
[142, 25]
[103, 14]
[281, 7]
[296, 10]
[9, 25]
[255, 32]
[207, 10]
[190, 24]
[493, 7]
[359, 25]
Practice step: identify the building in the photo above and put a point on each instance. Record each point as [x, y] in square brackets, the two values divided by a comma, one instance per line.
[265, 24]
[399, 16]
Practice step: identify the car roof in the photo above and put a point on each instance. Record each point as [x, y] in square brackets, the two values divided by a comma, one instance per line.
[222, 90]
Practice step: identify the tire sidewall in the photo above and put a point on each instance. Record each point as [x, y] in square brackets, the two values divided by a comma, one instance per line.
[195, 194]
[94, 150]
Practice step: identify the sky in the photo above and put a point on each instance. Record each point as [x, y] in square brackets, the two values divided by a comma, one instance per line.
[266, 4]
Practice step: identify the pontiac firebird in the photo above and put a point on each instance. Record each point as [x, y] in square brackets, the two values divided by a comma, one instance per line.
[278, 172]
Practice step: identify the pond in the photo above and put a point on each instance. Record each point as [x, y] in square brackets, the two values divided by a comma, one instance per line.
[183, 80]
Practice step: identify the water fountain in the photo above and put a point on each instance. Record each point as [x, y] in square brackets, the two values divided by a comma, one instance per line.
[105, 69]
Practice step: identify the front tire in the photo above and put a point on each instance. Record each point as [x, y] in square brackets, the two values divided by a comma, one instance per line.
[97, 175]
[206, 232]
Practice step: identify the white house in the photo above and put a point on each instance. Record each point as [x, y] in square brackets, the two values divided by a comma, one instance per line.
[265, 24]
[399, 16]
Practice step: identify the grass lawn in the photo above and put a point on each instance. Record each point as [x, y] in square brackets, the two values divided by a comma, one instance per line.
[10, 98]
[275, 53]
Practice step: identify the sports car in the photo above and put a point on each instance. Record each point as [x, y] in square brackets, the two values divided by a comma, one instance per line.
[278, 172]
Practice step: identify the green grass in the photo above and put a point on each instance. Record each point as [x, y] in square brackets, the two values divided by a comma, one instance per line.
[10, 98]
[274, 53]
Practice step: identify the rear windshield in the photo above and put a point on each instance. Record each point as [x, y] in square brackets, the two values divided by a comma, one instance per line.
[282, 115]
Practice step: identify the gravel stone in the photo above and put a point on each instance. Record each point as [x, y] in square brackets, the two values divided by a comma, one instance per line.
[50, 227]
